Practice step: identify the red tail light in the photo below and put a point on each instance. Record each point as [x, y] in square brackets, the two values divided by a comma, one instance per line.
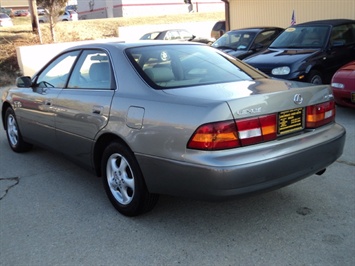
[320, 114]
[215, 136]
[232, 134]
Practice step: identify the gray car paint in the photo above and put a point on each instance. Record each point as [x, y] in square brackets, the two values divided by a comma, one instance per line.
[157, 124]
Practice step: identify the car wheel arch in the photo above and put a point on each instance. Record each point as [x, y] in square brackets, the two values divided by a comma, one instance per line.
[100, 145]
[313, 69]
[3, 112]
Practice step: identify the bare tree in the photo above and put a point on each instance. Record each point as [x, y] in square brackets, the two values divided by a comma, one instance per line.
[54, 9]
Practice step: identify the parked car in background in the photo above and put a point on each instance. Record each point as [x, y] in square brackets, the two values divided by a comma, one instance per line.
[7, 11]
[41, 11]
[343, 85]
[175, 35]
[69, 15]
[21, 13]
[175, 118]
[5, 20]
[218, 29]
[242, 43]
[309, 52]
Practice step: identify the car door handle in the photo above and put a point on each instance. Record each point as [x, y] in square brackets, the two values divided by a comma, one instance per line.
[48, 102]
[97, 109]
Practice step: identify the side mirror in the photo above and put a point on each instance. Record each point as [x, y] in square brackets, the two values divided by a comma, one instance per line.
[24, 82]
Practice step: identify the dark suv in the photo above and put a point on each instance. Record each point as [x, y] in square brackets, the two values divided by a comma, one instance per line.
[219, 28]
[309, 52]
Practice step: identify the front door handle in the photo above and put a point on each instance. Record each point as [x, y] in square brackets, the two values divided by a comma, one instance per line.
[97, 109]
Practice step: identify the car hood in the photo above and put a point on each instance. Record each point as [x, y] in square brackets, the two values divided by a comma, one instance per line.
[345, 72]
[277, 57]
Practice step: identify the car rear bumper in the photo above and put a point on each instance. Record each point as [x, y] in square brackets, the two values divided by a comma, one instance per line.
[245, 170]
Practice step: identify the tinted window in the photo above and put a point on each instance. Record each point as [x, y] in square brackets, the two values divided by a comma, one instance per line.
[266, 37]
[171, 66]
[343, 34]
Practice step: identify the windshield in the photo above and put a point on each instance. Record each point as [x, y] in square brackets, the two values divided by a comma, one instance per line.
[174, 65]
[235, 40]
[302, 37]
[150, 35]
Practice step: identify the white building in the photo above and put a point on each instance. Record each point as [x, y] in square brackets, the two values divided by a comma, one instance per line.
[89, 9]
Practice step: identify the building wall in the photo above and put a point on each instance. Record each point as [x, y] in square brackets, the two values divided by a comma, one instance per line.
[14, 3]
[128, 8]
[249, 13]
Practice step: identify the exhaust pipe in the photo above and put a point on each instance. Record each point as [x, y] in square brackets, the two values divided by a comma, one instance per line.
[321, 172]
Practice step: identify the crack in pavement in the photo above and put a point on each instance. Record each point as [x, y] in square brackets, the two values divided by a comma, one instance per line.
[6, 184]
[345, 162]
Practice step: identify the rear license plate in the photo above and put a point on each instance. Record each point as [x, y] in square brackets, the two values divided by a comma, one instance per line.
[353, 97]
[290, 121]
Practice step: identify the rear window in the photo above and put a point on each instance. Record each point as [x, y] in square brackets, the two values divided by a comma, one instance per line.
[171, 66]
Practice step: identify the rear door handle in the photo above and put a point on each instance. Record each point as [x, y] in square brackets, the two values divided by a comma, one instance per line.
[97, 109]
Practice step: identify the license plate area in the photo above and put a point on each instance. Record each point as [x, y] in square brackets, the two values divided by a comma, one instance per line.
[290, 121]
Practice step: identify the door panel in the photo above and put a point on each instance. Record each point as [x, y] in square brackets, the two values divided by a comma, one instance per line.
[37, 112]
[82, 109]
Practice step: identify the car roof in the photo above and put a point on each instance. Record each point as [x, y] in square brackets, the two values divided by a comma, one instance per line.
[123, 45]
[330, 22]
[256, 29]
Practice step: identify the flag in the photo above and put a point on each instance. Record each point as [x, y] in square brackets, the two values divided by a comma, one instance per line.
[293, 18]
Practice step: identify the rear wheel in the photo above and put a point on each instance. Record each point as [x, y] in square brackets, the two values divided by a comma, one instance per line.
[315, 77]
[124, 183]
[13, 133]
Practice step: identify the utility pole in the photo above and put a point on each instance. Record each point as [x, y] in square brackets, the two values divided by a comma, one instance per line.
[34, 18]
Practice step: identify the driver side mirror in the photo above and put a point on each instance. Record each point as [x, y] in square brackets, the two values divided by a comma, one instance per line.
[24, 82]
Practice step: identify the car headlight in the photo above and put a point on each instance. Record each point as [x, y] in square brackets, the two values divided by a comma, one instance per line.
[337, 85]
[285, 70]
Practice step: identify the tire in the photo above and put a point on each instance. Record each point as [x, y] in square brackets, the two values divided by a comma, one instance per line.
[124, 183]
[13, 133]
[315, 77]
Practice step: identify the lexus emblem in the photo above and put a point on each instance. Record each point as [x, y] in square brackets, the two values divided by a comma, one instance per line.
[298, 99]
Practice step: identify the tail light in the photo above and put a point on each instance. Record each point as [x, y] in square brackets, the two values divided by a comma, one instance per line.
[232, 134]
[215, 136]
[320, 114]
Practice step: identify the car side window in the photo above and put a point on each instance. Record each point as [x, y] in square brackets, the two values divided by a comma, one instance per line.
[92, 71]
[266, 37]
[56, 74]
[343, 34]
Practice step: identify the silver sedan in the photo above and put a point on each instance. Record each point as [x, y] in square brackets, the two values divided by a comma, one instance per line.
[181, 119]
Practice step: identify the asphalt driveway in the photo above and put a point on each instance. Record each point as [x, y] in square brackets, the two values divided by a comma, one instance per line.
[54, 213]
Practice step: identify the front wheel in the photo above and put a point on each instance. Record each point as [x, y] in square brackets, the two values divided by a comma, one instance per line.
[124, 183]
[13, 133]
[315, 77]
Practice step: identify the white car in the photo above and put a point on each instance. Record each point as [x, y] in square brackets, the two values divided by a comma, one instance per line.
[69, 15]
[5, 20]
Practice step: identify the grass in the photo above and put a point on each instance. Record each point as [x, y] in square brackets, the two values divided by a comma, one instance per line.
[21, 34]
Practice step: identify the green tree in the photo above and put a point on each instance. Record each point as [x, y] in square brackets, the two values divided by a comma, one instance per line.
[54, 9]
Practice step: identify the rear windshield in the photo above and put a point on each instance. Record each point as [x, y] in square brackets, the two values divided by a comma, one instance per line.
[171, 66]
[302, 37]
